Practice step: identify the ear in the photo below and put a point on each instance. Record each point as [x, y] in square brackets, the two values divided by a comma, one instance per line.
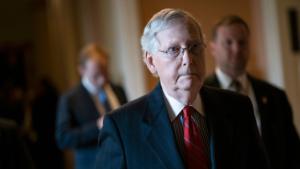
[148, 59]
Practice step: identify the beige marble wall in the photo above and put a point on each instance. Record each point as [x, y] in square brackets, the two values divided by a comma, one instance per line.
[290, 60]
[56, 43]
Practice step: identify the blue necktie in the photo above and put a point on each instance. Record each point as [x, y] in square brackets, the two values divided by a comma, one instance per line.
[104, 101]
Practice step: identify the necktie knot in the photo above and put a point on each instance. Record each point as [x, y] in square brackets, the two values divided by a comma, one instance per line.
[187, 111]
[236, 85]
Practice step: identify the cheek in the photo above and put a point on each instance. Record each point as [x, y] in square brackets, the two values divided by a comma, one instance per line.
[168, 72]
[88, 73]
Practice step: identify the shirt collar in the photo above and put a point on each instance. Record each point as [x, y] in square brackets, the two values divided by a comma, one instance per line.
[89, 86]
[175, 107]
[226, 80]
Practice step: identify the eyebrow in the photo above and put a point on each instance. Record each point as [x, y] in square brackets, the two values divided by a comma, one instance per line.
[187, 43]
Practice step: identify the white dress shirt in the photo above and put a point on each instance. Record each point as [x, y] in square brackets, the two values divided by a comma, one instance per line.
[225, 82]
[175, 107]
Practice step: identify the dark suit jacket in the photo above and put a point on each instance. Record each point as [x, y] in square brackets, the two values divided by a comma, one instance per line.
[139, 134]
[76, 124]
[278, 132]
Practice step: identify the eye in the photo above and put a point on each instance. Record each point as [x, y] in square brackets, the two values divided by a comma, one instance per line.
[228, 42]
[196, 48]
[173, 50]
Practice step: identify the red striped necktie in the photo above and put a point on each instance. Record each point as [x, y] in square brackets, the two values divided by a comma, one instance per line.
[194, 152]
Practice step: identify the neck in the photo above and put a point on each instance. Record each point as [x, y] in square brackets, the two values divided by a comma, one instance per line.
[186, 97]
[233, 74]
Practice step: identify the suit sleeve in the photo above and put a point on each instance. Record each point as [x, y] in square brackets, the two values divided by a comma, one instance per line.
[69, 134]
[110, 153]
[293, 142]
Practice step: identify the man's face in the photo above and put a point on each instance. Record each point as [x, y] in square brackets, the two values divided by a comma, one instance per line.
[230, 49]
[183, 73]
[95, 70]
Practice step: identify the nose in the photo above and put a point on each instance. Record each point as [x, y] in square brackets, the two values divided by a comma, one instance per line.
[186, 57]
[237, 47]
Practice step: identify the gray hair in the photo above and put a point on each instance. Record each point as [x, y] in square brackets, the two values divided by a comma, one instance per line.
[161, 21]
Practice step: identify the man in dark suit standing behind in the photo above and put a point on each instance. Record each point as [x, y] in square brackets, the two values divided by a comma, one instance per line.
[180, 124]
[273, 114]
[81, 110]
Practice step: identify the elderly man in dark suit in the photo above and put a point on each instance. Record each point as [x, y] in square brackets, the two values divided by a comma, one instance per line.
[273, 114]
[180, 124]
[81, 110]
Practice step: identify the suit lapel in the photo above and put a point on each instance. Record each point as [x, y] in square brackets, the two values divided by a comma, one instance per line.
[220, 128]
[88, 104]
[262, 103]
[261, 98]
[159, 132]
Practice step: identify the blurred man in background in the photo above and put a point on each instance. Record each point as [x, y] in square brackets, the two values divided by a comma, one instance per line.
[273, 114]
[81, 110]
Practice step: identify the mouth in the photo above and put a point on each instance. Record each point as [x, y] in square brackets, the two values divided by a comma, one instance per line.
[188, 75]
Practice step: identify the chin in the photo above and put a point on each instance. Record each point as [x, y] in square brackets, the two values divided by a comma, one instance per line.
[190, 87]
[191, 84]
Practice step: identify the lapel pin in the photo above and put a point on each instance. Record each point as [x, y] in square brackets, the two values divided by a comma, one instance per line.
[264, 99]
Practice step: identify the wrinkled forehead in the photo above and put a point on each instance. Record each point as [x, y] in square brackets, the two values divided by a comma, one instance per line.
[236, 28]
[192, 27]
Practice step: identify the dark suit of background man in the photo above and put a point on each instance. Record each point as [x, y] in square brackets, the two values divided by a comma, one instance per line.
[180, 124]
[81, 110]
[230, 48]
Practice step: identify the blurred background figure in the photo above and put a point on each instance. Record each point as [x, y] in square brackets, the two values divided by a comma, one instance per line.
[81, 110]
[44, 150]
[12, 84]
[230, 49]
[14, 153]
[12, 103]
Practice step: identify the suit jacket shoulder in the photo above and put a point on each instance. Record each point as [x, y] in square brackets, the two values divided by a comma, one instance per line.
[212, 81]
[262, 85]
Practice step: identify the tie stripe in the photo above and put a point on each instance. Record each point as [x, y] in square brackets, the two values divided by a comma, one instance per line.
[195, 155]
[192, 145]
